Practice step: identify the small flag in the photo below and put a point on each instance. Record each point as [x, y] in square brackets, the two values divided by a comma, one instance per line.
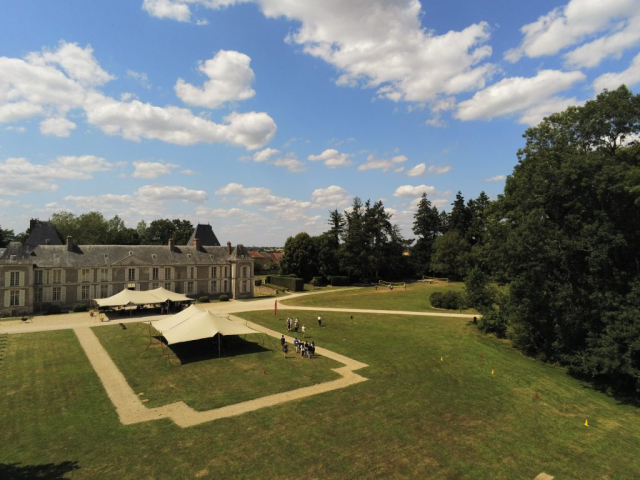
[264, 372]
[536, 395]
[275, 308]
[586, 423]
[481, 356]
[441, 359]
[493, 372]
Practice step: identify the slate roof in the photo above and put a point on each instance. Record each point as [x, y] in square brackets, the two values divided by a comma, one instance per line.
[204, 233]
[42, 233]
[14, 253]
[47, 256]
[240, 252]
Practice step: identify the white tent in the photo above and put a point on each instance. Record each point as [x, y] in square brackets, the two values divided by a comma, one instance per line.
[136, 297]
[194, 326]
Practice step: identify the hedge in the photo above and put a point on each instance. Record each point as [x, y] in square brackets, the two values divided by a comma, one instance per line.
[290, 283]
[339, 281]
[79, 307]
[448, 300]
[203, 299]
[224, 298]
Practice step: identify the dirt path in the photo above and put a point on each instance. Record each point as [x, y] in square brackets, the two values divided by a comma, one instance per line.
[131, 410]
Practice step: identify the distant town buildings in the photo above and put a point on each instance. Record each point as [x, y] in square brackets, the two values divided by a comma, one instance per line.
[46, 271]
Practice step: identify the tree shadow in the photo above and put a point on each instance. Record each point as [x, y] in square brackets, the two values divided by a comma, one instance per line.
[207, 349]
[47, 471]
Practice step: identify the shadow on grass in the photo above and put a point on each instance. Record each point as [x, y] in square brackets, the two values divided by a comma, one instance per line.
[47, 471]
[207, 349]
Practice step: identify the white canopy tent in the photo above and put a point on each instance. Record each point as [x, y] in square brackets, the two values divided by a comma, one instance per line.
[136, 297]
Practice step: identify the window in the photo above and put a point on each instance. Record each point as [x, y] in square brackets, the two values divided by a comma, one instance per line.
[214, 286]
[131, 275]
[244, 286]
[167, 273]
[57, 276]
[131, 286]
[191, 272]
[104, 291]
[189, 287]
[224, 285]
[167, 286]
[244, 272]
[226, 272]
[37, 277]
[14, 281]
[14, 298]
[86, 275]
[104, 275]
[154, 273]
[214, 272]
[85, 293]
[37, 295]
[56, 293]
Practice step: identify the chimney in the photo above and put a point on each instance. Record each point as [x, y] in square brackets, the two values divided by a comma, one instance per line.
[196, 244]
[32, 224]
[171, 244]
[69, 243]
[229, 248]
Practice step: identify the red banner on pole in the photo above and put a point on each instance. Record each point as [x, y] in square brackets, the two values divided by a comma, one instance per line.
[275, 308]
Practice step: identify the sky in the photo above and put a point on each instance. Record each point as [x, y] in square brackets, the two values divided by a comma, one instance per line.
[261, 116]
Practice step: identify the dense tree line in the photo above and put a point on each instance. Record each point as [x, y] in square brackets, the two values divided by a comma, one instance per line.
[93, 228]
[564, 238]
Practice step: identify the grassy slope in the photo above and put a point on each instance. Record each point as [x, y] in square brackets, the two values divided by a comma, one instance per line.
[414, 298]
[416, 417]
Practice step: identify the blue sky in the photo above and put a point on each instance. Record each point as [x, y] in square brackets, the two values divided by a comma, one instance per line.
[261, 116]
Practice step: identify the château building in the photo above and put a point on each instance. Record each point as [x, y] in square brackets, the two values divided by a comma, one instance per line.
[45, 271]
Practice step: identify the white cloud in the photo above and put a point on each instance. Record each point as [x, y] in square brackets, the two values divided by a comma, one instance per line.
[18, 175]
[571, 24]
[11, 128]
[37, 85]
[139, 77]
[413, 191]
[611, 81]
[152, 169]
[332, 197]
[289, 160]
[517, 95]
[497, 178]
[374, 43]
[418, 170]
[59, 127]
[536, 113]
[161, 193]
[188, 172]
[265, 155]
[382, 164]
[230, 79]
[101, 203]
[332, 158]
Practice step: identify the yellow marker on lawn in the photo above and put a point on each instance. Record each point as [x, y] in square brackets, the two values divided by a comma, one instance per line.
[493, 372]
[586, 423]
[441, 359]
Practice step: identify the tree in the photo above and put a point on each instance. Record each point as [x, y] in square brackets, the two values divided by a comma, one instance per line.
[299, 257]
[427, 227]
[451, 255]
[6, 236]
[569, 224]
[460, 216]
[337, 223]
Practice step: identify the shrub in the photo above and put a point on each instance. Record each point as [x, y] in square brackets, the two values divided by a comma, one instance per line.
[494, 321]
[224, 298]
[339, 281]
[317, 281]
[436, 299]
[291, 283]
[448, 300]
[53, 310]
[203, 299]
[79, 307]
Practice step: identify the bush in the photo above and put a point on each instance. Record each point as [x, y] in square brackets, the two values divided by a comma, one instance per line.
[448, 300]
[79, 307]
[494, 321]
[290, 283]
[317, 281]
[53, 310]
[203, 299]
[339, 281]
[224, 298]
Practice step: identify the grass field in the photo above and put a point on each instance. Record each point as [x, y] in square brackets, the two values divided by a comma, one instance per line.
[416, 417]
[415, 298]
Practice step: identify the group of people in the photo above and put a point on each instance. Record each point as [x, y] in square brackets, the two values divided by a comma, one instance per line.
[294, 325]
[306, 349]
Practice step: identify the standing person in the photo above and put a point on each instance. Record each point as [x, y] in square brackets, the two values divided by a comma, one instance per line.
[285, 349]
[296, 325]
[289, 324]
[313, 348]
[319, 321]
[296, 344]
[282, 340]
[304, 330]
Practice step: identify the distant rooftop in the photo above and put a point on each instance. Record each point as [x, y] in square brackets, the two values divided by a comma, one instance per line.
[205, 235]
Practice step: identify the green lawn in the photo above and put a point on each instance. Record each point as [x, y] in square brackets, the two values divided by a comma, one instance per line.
[416, 417]
[414, 298]
[205, 381]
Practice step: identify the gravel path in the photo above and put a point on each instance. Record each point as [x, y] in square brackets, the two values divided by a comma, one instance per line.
[131, 410]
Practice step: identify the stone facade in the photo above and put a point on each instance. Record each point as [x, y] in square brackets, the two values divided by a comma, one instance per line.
[35, 277]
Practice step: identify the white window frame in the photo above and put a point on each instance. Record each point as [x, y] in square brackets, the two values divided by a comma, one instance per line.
[56, 294]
